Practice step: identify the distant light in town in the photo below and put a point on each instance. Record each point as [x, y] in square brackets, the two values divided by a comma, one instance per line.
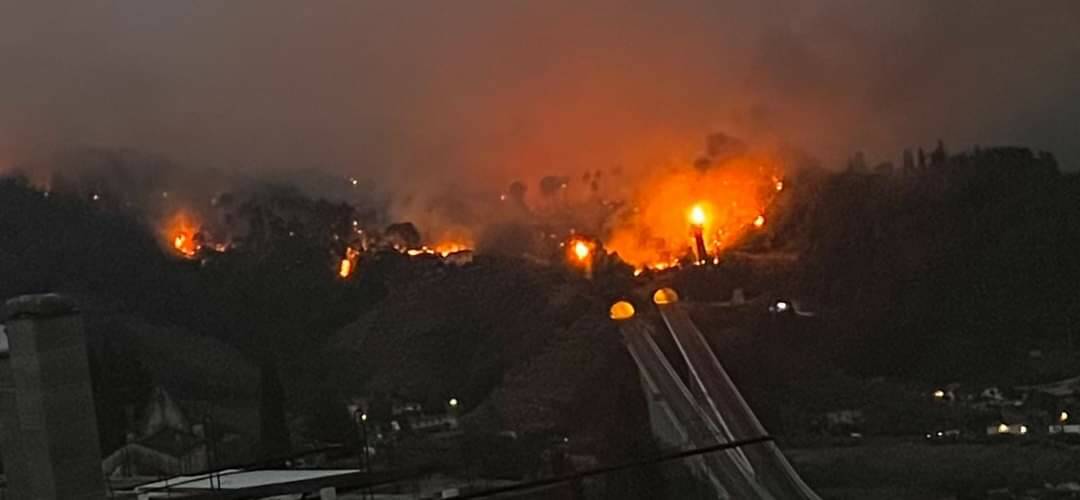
[759, 221]
[1023, 429]
[1003, 429]
[939, 394]
[782, 306]
[622, 310]
[779, 186]
[1063, 417]
[363, 417]
[453, 402]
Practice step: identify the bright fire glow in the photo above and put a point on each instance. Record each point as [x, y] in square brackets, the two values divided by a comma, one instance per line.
[348, 262]
[180, 231]
[671, 205]
[442, 249]
[448, 247]
[697, 215]
[581, 250]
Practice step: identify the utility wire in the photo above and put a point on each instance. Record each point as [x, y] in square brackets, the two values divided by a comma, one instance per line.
[615, 468]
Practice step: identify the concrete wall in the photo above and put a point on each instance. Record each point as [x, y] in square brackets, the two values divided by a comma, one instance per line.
[49, 433]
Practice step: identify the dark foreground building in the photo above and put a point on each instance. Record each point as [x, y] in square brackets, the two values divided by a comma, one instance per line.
[48, 429]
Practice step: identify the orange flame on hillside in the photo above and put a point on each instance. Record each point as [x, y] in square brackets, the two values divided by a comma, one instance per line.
[348, 262]
[442, 249]
[581, 250]
[697, 215]
[180, 231]
[673, 207]
[448, 247]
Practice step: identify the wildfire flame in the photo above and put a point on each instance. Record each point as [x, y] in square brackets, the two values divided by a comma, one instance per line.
[180, 231]
[697, 215]
[676, 205]
[448, 247]
[443, 249]
[581, 250]
[348, 262]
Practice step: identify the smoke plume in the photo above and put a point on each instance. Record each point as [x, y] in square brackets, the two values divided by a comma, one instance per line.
[449, 96]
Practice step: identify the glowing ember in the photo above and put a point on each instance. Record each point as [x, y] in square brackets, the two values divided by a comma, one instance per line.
[759, 221]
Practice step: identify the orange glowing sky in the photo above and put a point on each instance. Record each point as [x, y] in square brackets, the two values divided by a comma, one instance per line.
[502, 88]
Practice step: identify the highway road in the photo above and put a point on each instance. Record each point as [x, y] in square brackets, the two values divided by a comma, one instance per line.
[721, 401]
[729, 470]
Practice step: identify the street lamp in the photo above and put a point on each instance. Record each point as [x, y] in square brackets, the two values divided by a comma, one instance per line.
[360, 417]
[453, 402]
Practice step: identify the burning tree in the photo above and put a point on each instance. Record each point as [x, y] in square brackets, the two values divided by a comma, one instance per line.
[688, 211]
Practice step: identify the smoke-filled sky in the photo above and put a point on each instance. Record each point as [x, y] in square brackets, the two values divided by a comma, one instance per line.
[442, 90]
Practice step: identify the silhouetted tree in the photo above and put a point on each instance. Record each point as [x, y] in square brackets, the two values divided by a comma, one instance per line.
[274, 440]
[517, 192]
[403, 234]
[551, 185]
[939, 155]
